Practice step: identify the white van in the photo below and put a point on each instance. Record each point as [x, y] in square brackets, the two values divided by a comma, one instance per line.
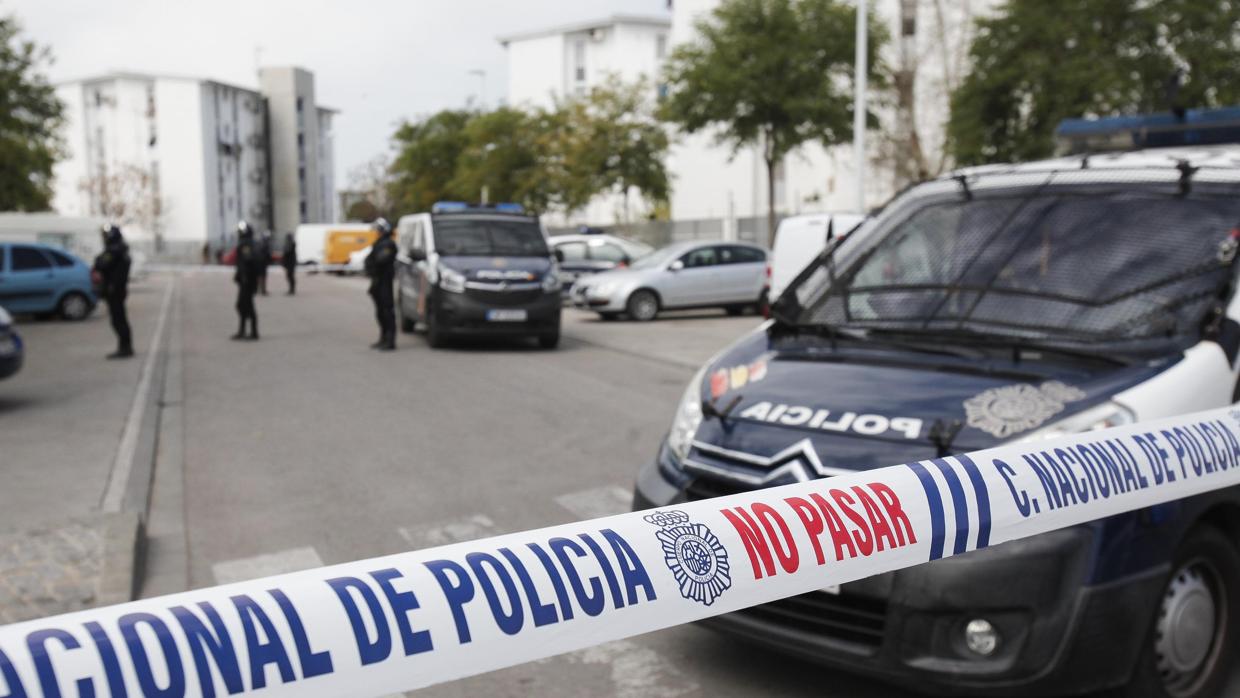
[799, 240]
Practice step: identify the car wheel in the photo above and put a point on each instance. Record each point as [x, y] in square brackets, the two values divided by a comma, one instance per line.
[435, 336]
[549, 341]
[643, 306]
[1190, 648]
[608, 317]
[74, 306]
[406, 324]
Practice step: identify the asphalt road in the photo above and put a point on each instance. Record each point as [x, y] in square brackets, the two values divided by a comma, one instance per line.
[308, 447]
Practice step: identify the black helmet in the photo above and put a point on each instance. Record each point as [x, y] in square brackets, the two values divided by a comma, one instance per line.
[384, 228]
[244, 229]
[111, 233]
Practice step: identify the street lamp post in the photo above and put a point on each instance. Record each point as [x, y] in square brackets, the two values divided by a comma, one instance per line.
[859, 104]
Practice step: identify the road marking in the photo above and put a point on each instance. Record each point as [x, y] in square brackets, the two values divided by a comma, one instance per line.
[598, 502]
[455, 531]
[283, 562]
[122, 466]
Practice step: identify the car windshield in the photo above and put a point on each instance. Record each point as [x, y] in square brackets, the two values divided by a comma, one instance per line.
[489, 237]
[1117, 266]
[658, 258]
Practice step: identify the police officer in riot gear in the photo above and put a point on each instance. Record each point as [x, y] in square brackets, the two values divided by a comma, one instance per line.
[288, 259]
[112, 273]
[246, 278]
[381, 268]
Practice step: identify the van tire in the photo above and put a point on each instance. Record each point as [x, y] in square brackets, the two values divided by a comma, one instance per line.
[1208, 564]
[642, 306]
[549, 341]
[74, 306]
[435, 336]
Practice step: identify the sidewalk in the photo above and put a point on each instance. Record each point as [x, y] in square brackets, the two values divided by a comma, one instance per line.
[68, 421]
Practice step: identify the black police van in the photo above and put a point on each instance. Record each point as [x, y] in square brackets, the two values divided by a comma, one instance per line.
[993, 305]
[477, 270]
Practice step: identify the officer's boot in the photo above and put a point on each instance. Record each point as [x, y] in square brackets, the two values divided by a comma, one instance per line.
[382, 340]
[123, 352]
[388, 343]
[240, 331]
[254, 328]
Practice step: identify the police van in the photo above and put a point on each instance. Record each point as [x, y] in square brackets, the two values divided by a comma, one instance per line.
[477, 270]
[999, 304]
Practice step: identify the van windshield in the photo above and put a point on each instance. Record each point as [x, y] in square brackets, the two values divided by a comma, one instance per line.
[1105, 268]
[489, 237]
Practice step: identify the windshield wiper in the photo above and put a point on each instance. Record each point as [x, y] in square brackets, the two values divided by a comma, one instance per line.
[1016, 344]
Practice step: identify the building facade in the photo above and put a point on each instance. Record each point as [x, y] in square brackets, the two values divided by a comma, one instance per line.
[181, 160]
[551, 64]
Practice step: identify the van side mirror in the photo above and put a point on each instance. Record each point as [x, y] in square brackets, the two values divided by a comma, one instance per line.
[417, 254]
[559, 255]
[676, 266]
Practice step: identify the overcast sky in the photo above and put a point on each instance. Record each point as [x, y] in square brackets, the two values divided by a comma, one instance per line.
[377, 61]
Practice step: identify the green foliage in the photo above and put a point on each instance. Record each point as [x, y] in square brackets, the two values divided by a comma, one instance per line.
[773, 73]
[30, 121]
[605, 141]
[1037, 62]
[426, 156]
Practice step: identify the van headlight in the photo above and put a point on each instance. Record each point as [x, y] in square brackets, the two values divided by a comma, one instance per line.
[1104, 416]
[551, 282]
[451, 280]
[688, 417]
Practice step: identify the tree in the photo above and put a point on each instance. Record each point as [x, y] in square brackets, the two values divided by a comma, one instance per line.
[127, 196]
[426, 159]
[611, 142]
[30, 120]
[372, 182]
[1036, 63]
[771, 73]
[504, 156]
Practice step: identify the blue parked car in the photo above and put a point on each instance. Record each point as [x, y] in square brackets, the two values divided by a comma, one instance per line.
[42, 280]
[10, 347]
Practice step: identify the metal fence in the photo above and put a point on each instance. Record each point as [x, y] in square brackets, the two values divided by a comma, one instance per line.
[660, 233]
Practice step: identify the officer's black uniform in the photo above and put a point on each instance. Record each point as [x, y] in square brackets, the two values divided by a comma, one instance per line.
[112, 267]
[288, 258]
[264, 258]
[246, 278]
[381, 268]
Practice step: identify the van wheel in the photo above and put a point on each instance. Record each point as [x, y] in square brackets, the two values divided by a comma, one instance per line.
[643, 306]
[549, 341]
[74, 306]
[406, 325]
[435, 336]
[1191, 645]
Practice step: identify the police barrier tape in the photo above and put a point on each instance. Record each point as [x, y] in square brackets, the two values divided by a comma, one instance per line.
[406, 621]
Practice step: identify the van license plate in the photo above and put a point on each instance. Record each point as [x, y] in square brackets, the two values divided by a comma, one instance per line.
[506, 315]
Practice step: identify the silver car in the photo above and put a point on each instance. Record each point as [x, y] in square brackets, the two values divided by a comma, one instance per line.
[729, 275]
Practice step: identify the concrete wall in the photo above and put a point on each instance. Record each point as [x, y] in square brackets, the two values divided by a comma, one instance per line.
[297, 174]
[180, 124]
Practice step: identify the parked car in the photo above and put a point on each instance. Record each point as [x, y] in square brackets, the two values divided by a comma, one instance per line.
[585, 254]
[730, 275]
[800, 239]
[477, 270]
[11, 351]
[40, 279]
[992, 305]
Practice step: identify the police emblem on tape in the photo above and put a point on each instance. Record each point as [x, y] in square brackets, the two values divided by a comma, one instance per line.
[695, 556]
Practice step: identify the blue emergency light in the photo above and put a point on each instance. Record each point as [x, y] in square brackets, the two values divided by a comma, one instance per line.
[510, 208]
[445, 206]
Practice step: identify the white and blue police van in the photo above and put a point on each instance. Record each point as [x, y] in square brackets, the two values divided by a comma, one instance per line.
[993, 305]
[477, 270]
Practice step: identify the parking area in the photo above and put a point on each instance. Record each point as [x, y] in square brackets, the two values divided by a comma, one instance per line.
[308, 448]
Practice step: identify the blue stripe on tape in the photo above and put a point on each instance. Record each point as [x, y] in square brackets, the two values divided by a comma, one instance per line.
[983, 499]
[959, 504]
[935, 501]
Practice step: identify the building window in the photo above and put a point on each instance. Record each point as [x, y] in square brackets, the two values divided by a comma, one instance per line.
[579, 60]
[660, 46]
[301, 175]
[299, 104]
[301, 139]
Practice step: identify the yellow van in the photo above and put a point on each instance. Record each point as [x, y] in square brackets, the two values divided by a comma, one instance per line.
[345, 240]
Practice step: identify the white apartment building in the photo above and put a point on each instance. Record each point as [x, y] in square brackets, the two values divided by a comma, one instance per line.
[708, 181]
[549, 64]
[184, 159]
